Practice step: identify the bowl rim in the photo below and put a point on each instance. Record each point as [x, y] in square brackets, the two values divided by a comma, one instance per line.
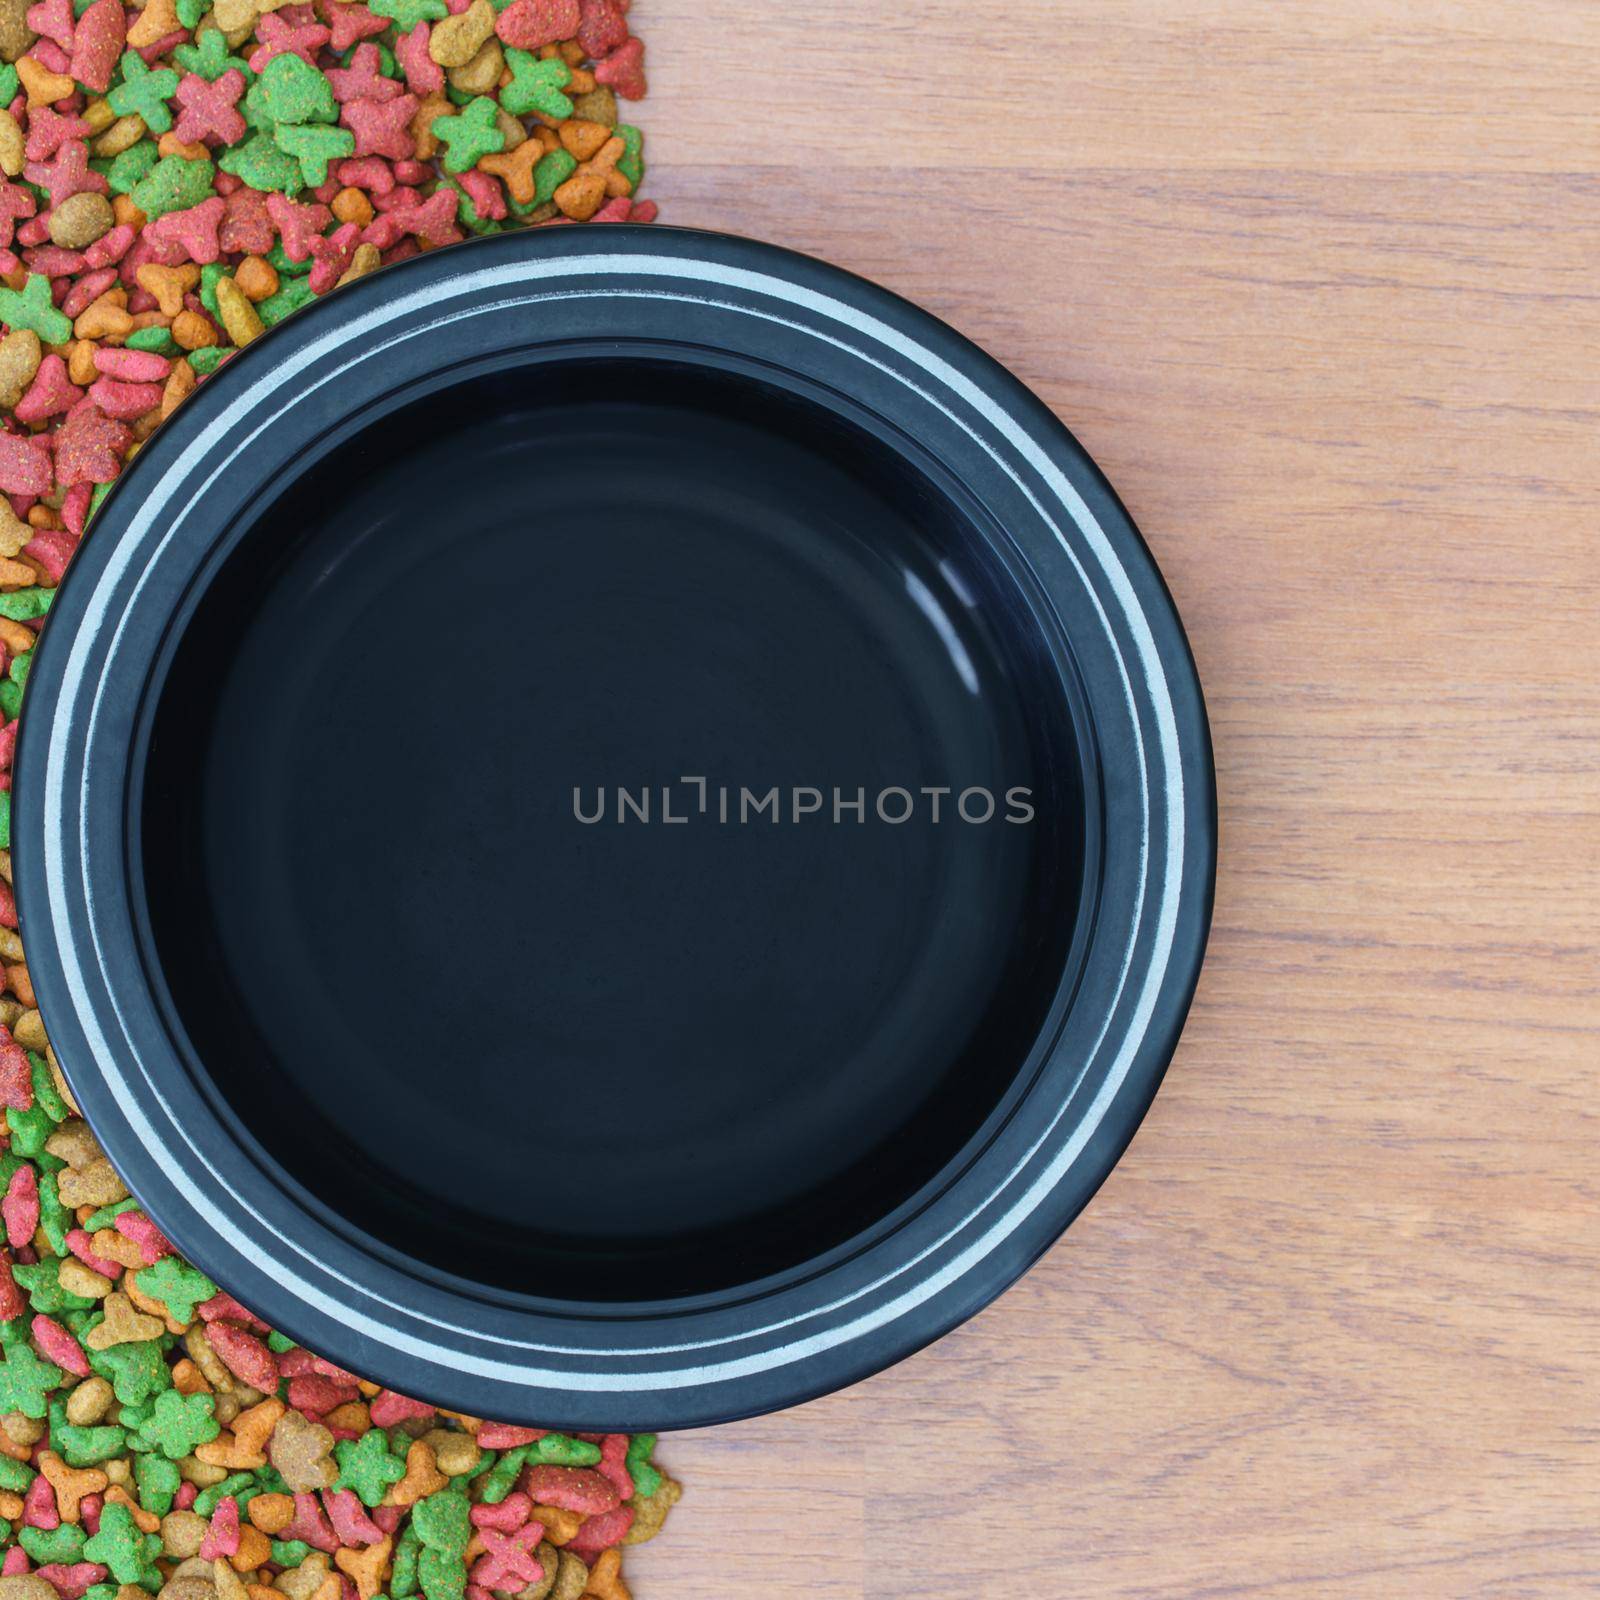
[70, 842]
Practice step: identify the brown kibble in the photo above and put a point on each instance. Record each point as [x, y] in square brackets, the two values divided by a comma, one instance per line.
[118, 1247]
[73, 1143]
[120, 135]
[193, 331]
[598, 105]
[313, 1579]
[367, 258]
[572, 1578]
[79, 220]
[182, 1534]
[13, 143]
[78, 1277]
[16, 575]
[27, 1586]
[122, 1325]
[581, 81]
[28, 1031]
[351, 205]
[89, 1402]
[455, 1454]
[226, 1581]
[650, 1511]
[300, 1450]
[20, 357]
[97, 115]
[21, 985]
[480, 75]
[581, 195]
[454, 41]
[94, 1185]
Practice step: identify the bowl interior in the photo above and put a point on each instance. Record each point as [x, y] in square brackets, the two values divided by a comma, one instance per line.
[500, 840]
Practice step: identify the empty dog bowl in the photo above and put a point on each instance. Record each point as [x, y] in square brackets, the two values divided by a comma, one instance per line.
[614, 827]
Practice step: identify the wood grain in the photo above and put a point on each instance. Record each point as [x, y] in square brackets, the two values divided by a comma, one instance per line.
[1316, 282]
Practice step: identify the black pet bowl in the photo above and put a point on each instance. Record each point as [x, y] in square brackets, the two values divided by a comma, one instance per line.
[614, 827]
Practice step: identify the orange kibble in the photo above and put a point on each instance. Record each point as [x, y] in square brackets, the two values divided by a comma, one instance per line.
[351, 205]
[169, 144]
[257, 278]
[271, 1513]
[105, 318]
[125, 211]
[193, 331]
[169, 284]
[255, 1548]
[582, 139]
[80, 362]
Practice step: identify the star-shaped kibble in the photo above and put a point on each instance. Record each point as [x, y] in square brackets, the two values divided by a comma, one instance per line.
[469, 134]
[25, 1380]
[382, 127]
[368, 1466]
[432, 222]
[144, 92]
[118, 1544]
[89, 444]
[210, 110]
[349, 24]
[31, 306]
[209, 57]
[289, 90]
[315, 145]
[172, 1281]
[179, 1422]
[406, 14]
[137, 1370]
[279, 37]
[66, 173]
[48, 130]
[509, 1560]
[536, 85]
[363, 79]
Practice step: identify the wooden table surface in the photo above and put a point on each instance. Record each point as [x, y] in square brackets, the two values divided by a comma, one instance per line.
[1318, 284]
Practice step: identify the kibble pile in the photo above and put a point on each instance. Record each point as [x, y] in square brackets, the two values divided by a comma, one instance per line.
[175, 178]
